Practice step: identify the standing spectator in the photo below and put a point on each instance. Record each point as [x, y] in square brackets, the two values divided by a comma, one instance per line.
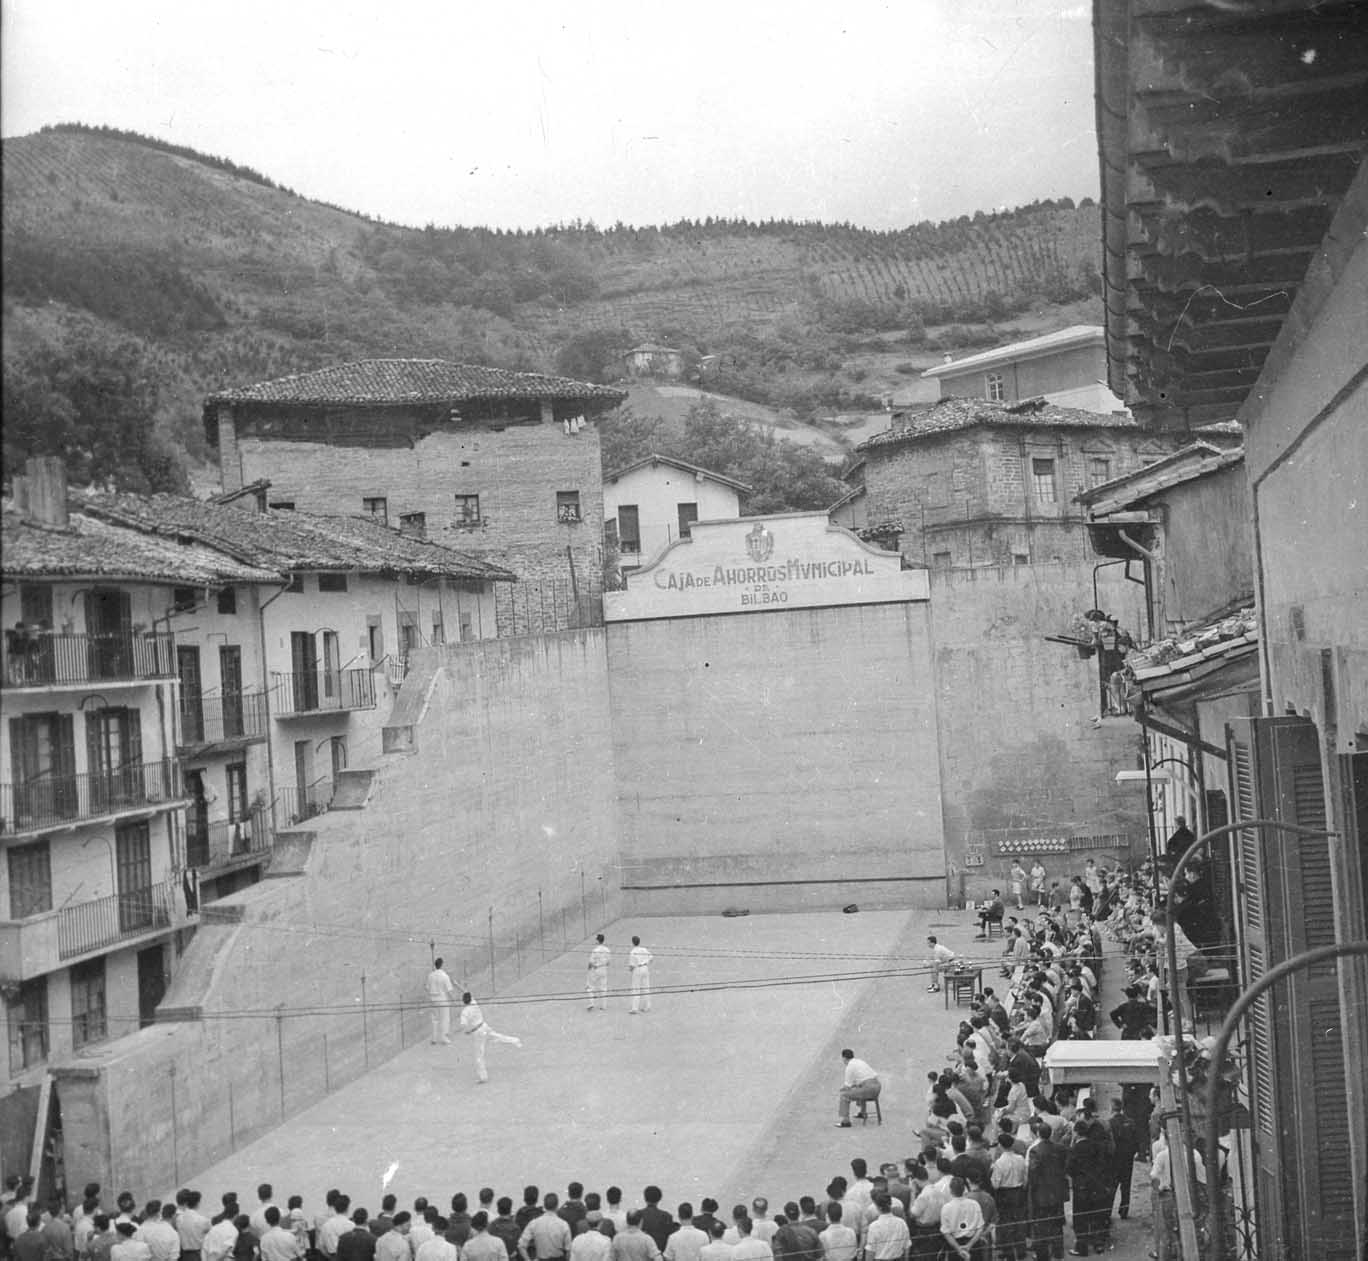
[16, 1215]
[705, 1219]
[1125, 1136]
[747, 1247]
[159, 1233]
[58, 1242]
[794, 1241]
[191, 1225]
[839, 1242]
[962, 1224]
[1038, 883]
[102, 1239]
[634, 1244]
[481, 1246]
[597, 984]
[613, 1210]
[1016, 883]
[888, 1237]
[357, 1244]
[1165, 1209]
[1089, 1168]
[547, 1233]
[1047, 1188]
[332, 1230]
[716, 1250]
[639, 963]
[594, 1244]
[655, 1221]
[687, 1241]
[504, 1228]
[421, 1228]
[127, 1249]
[219, 1241]
[439, 991]
[439, 1247]
[28, 1243]
[1008, 1180]
[276, 1242]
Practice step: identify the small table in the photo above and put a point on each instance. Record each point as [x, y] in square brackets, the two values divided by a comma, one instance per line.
[964, 984]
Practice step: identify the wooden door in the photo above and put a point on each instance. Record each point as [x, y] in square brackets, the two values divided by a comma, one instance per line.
[191, 694]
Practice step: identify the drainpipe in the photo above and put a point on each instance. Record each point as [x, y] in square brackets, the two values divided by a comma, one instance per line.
[1155, 569]
[266, 692]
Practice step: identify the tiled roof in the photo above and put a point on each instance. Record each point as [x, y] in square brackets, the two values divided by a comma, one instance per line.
[1188, 464]
[1192, 653]
[653, 458]
[952, 414]
[396, 382]
[282, 541]
[1031, 348]
[88, 547]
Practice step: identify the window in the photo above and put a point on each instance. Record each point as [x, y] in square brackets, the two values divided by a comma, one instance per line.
[409, 636]
[133, 853]
[283, 505]
[688, 514]
[567, 506]
[28, 1024]
[468, 512]
[43, 763]
[376, 507]
[88, 1019]
[35, 604]
[629, 529]
[1020, 558]
[375, 638]
[237, 791]
[1043, 480]
[30, 880]
[438, 629]
[182, 599]
[995, 388]
[332, 582]
[114, 759]
[296, 583]
[467, 627]
[227, 600]
[940, 560]
[414, 523]
[1099, 470]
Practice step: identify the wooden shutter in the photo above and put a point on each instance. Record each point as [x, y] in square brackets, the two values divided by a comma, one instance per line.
[1287, 895]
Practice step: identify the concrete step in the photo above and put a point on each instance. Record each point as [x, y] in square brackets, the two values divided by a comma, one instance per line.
[351, 789]
[290, 855]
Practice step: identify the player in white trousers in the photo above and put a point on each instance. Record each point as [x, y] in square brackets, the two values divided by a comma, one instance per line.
[473, 1025]
[597, 984]
[639, 961]
[439, 991]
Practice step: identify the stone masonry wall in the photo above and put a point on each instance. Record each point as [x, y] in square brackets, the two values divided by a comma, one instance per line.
[1020, 752]
[298, 984]
[516, 472]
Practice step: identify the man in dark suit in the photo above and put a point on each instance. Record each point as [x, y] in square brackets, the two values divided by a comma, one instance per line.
[1047, 1189]
[655, 1221]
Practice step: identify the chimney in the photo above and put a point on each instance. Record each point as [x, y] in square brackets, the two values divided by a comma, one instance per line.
[45, 476]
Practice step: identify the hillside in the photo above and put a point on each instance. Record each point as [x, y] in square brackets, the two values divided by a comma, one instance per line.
[203, 275]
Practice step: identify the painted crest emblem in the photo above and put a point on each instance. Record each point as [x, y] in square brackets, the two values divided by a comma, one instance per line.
[759, 544]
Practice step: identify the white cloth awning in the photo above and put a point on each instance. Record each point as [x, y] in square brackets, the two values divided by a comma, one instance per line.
[1123, 1062]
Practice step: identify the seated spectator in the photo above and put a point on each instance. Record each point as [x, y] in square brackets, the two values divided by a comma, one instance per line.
[990, 913]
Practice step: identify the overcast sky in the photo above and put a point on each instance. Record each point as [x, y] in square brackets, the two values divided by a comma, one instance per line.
[531, 113]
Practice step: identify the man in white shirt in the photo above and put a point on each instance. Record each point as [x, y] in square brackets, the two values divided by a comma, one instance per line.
[439, 991]
[394, 1244]
[839, 1242]
[686, 1243]
[639, 961]
[275, 1242]
[218, 1243]
[438, 1248]
[473, 1025]
[160, 1235]
[259, 1224]
[192, 1225]
[333, 1228]
[942, 960]
[763, 1227]
[748, 1247]
[481, 1246]
[128, 1248]
[860, 1084]
[597, 985]
[716, 1249]
[592, 1244]
[961, 1221]
[887, 1238]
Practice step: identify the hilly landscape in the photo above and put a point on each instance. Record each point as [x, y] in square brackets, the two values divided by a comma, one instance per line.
[139, 276]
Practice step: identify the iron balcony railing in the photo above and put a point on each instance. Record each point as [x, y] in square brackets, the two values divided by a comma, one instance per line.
[106, 921]
[35, 657]
[315, 691]
[54, 800]
[294, 806]
[210, 720]
[218, 843]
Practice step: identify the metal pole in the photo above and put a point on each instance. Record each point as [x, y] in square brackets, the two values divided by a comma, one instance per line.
[175, 1146]
[1149, 818]
[1215, 1224]
[280, 1056]
[365, 1026]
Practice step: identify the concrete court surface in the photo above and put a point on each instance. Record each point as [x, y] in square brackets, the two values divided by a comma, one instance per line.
[714, 1092]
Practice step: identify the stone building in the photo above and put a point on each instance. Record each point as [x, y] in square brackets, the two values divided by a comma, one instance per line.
[973, 483]
[502, 465]
[650, 360]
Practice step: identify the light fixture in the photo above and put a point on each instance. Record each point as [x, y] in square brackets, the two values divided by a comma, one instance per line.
[1140, 777]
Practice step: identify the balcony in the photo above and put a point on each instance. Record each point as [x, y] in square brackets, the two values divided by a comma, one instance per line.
[58, 801]
[294, 807]
[214, 722]
[36, 658]
[322, 692]
[105, 922]
[225, 842]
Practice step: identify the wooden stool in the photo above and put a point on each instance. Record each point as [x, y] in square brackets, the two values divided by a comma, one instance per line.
[864, 1111]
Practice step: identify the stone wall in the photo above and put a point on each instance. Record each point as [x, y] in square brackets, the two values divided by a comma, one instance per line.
[777, 760]
[488, 837]
[1020, 752]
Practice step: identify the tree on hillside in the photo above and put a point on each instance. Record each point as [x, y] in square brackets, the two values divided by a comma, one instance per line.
[95, 406]
[594, 355]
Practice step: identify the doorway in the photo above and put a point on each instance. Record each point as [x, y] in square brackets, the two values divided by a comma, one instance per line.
[151, 983]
